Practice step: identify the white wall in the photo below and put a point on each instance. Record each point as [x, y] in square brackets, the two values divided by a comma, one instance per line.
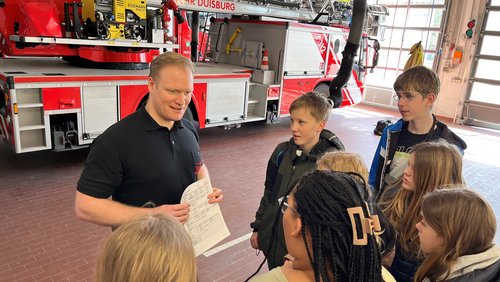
[455, 78]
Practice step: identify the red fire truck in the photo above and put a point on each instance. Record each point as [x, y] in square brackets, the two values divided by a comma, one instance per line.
[251, 67]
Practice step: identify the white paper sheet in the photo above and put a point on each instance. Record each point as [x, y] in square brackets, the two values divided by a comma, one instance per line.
[205, 224]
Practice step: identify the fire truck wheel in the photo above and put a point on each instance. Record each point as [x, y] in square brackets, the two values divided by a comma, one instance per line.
[189, 116]
[323, 88]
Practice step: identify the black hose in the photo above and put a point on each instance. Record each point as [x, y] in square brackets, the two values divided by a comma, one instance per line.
[349, 53]
[195, 28]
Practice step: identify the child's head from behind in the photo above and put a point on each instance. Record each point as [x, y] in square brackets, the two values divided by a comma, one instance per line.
[148, 248]
[344, 162]
[308, 116]
[418, 79]
[319, 231]
[461, 221]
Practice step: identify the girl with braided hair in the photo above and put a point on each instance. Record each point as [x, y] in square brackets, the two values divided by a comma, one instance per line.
[353, 163]
[431, 166]
[329, 232]
[456, 233]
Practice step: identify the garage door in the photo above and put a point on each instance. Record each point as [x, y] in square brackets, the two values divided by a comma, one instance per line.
[482, 106]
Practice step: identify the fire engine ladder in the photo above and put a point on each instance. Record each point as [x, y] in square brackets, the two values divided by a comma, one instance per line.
[91, 42]
[321, 11]
[287, 9]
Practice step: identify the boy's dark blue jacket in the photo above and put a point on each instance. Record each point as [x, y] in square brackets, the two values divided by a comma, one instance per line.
[387, 147]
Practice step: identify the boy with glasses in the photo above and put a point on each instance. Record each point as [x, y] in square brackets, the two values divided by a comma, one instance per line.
[289, 161]
[416, 91]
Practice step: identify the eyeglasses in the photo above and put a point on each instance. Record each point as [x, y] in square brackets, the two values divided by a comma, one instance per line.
[285, 205]
[407, 97]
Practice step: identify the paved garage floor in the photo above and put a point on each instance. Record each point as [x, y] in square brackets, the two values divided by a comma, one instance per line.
[42, 240]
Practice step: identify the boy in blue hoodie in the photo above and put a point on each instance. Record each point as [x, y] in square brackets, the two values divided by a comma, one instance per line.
[416, 91]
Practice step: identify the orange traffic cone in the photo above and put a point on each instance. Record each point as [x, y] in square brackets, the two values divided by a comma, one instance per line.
[265, 61]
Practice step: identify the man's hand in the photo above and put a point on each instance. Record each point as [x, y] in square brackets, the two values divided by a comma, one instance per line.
[179, 211]
[254, 240]
[216, 196]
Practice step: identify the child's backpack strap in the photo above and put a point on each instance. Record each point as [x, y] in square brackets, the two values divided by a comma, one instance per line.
[282, 148]
[335, 140]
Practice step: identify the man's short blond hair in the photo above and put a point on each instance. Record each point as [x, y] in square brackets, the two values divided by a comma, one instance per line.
[168, 59]
[420, 79]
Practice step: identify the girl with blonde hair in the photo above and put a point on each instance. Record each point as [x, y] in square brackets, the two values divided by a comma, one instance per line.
[148, 248]
[345, 162]
[431, 165]
[456, 235]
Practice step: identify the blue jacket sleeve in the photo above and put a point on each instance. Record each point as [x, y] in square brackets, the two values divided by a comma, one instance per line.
[372, 177]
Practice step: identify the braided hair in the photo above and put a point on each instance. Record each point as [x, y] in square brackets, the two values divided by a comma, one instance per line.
[322, 199]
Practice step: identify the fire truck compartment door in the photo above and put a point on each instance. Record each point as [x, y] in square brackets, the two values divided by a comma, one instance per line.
[226, 100]
[304, 54]
[99, 108]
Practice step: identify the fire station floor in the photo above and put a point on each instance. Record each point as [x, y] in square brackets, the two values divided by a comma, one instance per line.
[42, 240]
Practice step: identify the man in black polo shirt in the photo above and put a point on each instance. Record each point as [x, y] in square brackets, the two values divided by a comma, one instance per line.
[150, 156]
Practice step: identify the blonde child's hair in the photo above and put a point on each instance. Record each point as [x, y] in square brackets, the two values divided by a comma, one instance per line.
[344, 162]
[148, 248]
